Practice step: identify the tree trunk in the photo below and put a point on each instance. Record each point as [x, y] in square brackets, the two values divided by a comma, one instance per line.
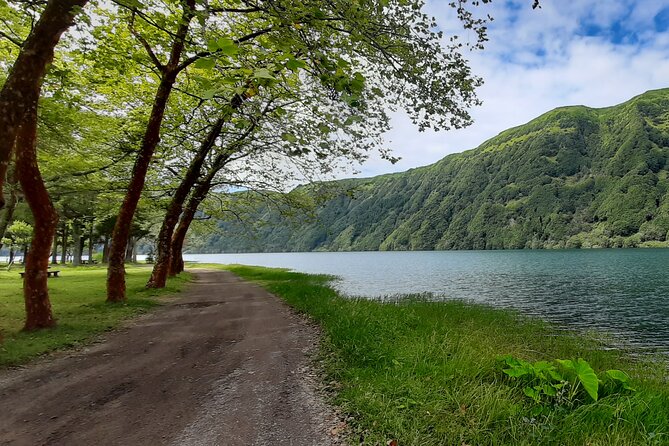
[199, 194]
[90, 243]
[10, 206]
[105, 250]
[162, 266]
[76, 243]
[121, 233]
[54, 249]
[25, 251]
[63, 256]
[21, 90]
[129, 249]
[176, 259]
[11, 255]
[35, 290]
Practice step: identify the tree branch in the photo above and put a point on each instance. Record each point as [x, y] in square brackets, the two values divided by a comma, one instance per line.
[145, 44]
[15, 41]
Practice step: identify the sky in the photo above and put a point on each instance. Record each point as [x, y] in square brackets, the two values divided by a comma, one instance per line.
[596, 53]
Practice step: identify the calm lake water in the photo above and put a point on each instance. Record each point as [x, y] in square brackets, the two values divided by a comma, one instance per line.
[624, 292]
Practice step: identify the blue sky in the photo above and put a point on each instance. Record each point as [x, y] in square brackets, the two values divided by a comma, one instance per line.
[589, 52]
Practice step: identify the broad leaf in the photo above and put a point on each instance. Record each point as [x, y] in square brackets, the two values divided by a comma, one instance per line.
[205, 63]
[588, 377]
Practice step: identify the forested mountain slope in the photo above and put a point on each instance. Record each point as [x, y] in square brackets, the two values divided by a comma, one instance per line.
[574, 177]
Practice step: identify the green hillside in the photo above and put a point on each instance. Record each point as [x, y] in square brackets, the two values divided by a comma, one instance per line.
[573, 177]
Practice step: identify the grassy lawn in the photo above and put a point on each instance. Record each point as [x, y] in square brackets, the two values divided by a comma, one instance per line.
[427, 373]
[78, 301]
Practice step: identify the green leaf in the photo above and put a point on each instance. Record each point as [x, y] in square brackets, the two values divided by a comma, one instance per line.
[289, 137]
[621, 377]
[205, 63]
[295, 64]
[133, 4]
[227, 46]
[588, 377]
[209, 94]
[263, 73]
[212, 45]
[549, 390]
[566, 364]
[324, 128]
[532, 393]
[618, 375]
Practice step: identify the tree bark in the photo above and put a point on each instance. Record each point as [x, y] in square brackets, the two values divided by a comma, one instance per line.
[161, 268]
[121, 233]
[21, 90]
[35, 290]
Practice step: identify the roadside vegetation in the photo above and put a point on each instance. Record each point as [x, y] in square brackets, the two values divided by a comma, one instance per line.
[78, 298]
[433, 373]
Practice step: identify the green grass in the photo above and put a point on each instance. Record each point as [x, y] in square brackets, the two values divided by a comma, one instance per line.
[426, 373]
[78, 302]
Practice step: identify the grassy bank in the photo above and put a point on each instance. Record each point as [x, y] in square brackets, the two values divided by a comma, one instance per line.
[78, 300]
[427, 373]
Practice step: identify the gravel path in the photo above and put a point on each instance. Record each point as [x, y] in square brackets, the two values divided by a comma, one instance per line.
[225, 364]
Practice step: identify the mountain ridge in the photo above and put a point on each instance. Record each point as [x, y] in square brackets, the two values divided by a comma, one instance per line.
[575, 176]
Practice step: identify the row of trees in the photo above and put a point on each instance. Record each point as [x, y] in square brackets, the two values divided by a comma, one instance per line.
[156, 103]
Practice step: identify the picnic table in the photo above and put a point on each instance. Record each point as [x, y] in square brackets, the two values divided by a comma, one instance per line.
[48, 273]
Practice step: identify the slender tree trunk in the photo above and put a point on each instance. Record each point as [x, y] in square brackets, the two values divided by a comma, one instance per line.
[176, 259]
[76, 243]
[35, 290]
[63, 256]
[199, 194]
[129, 249]
[105, 250]
[22, 87]
[169, 73]
[11, 255]
[10, 206]
[161, 267]
[54, 249]
[90, 243]
[25, 252]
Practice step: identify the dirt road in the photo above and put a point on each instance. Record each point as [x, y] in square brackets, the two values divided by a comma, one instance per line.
[226, 364]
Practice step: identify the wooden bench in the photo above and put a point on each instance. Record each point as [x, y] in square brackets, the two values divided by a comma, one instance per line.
[89, 262]
[48, 273]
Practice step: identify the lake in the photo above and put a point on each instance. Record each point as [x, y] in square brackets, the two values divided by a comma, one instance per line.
[624, 292]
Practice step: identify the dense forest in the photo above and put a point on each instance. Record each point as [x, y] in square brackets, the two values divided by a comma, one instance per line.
[575, 177]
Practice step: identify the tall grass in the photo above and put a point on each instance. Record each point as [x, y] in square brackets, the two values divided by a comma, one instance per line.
[426, 373]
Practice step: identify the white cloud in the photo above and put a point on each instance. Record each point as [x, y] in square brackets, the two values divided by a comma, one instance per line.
[568, 53]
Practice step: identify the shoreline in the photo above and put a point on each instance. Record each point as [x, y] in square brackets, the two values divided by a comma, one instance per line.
[428, 373]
